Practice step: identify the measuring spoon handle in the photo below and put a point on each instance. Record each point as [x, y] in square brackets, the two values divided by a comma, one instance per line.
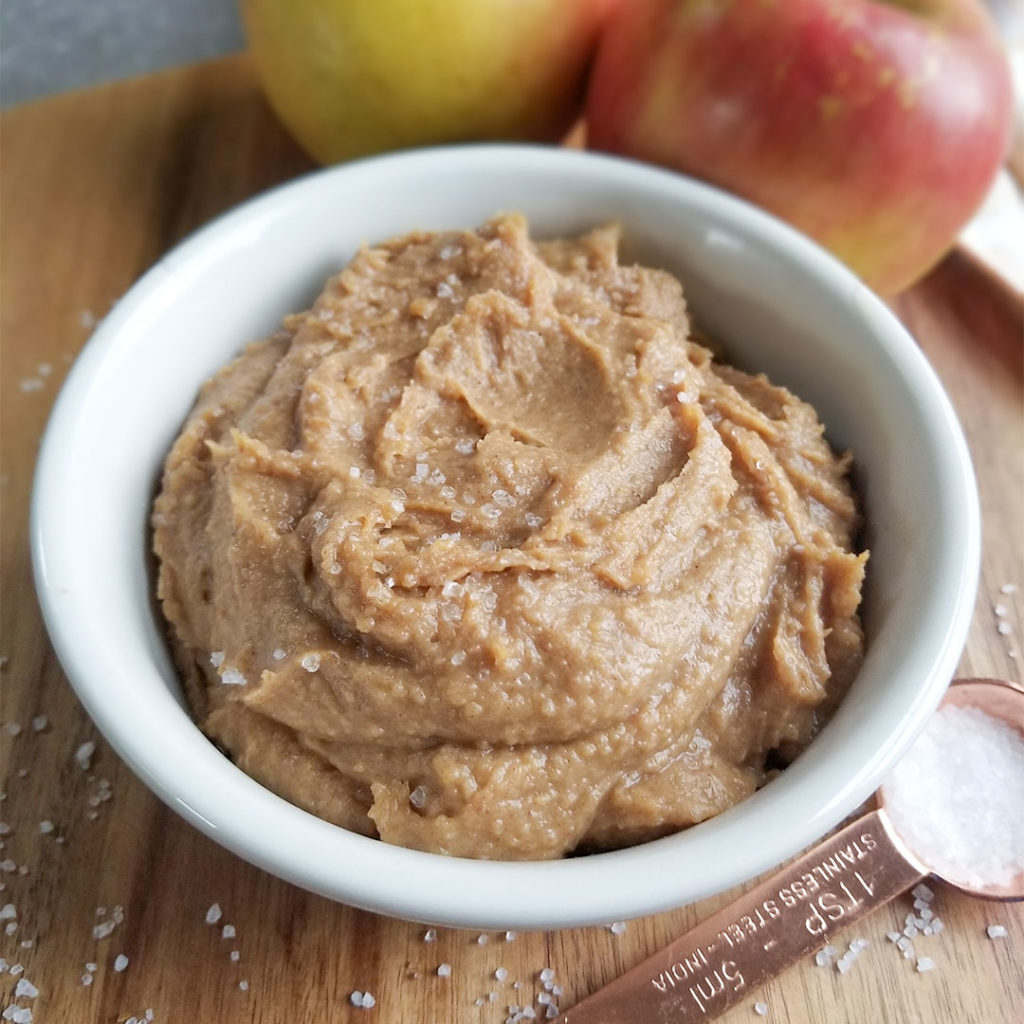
[789, 915]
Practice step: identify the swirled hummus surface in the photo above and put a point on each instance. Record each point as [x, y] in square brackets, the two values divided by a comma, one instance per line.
[484, 554]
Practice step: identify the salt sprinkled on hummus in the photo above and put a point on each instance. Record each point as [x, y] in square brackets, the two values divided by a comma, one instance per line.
[498, 561]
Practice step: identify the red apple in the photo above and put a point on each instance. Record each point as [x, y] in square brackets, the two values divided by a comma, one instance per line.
[875, 126]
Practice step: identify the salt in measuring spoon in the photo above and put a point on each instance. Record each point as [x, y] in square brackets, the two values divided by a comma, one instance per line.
[792, 913]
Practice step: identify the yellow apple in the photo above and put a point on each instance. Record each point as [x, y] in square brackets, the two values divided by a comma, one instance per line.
[351, 77]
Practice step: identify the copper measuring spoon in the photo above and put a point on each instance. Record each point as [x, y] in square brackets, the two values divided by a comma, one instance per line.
[759, 934]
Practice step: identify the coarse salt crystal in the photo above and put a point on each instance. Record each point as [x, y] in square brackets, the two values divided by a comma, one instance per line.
[996, 931]
[243, 985]
[501, 973]
[925, 963]
[39, 723]
[25, 989]
[444, 970]
[120, 962]
[430, 935]
[213, 915]
[510, 936]
[761, 1009]
[46, 826]
[311, 662]
[83, 755]
[8, 912]
[228, 931]
[234, 956]
[217, 658]
[617, 927]
[103, 929]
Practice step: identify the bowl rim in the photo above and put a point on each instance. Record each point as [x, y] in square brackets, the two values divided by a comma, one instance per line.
[232, 808]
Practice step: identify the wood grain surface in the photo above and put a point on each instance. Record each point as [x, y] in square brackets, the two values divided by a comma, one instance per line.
[96, 186]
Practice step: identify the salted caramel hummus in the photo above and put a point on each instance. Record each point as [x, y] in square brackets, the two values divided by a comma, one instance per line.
[486, 555]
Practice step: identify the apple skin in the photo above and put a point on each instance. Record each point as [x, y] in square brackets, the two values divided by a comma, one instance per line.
[352, 77]
[875, 127]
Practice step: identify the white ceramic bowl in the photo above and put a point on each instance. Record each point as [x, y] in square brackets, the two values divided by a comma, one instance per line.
[780, 304]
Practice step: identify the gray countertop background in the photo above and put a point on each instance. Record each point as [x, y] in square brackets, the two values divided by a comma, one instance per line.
[48, 46]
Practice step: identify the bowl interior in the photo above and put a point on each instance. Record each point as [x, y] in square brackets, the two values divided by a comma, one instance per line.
[779, 305]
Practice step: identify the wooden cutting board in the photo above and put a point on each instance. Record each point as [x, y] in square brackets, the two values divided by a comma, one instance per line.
[96, 185]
